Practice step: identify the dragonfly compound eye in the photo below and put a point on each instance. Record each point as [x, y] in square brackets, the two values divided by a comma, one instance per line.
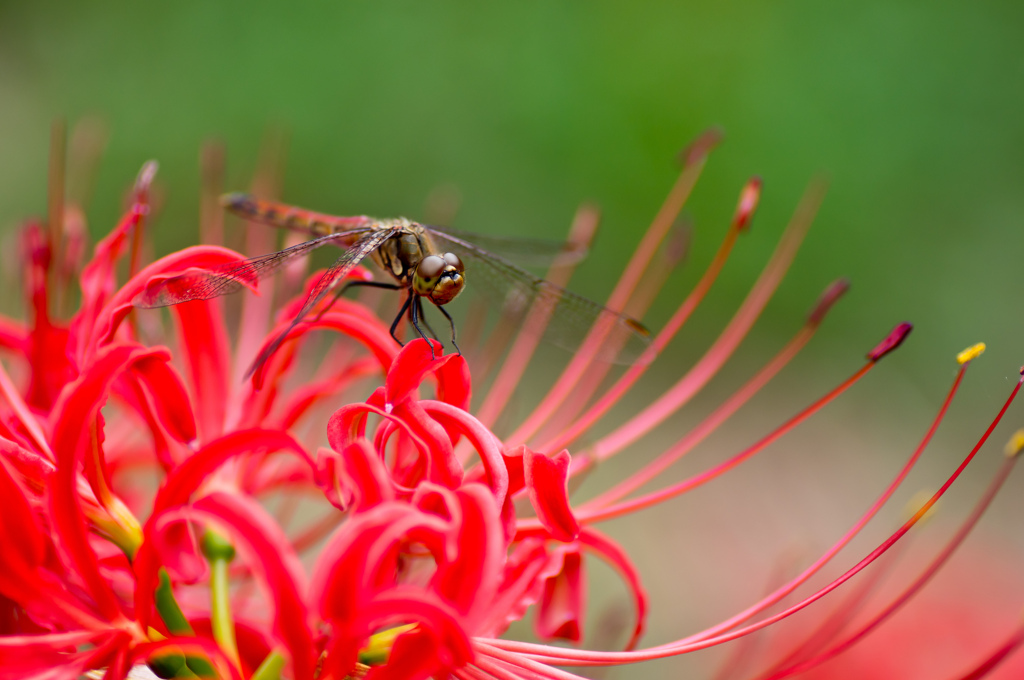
[438, 278]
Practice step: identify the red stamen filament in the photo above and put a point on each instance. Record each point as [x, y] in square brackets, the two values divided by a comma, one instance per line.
[708, 366]
[593, 512]
[642, 256]
[681, 316]
[701, 640]
[716, 418]
[919, 583]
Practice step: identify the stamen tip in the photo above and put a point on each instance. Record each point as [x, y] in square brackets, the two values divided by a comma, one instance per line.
[749, 198]
[971, 353]
[146, 175]
[829, 297]
[1015, 445]
[895, 338]
[917, 502]
[699, 148]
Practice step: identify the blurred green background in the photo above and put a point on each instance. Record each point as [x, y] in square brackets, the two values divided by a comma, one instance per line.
[912, 111]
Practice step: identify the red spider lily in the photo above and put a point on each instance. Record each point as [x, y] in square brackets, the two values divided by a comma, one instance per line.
[434, 534]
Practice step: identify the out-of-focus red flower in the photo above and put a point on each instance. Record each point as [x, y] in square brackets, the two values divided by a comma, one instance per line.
[429, 534]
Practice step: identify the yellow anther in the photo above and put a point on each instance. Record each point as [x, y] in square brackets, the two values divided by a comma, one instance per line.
[1015, 445]
[917, 502]
[971, 353]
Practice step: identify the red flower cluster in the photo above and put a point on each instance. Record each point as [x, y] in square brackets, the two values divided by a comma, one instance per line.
[434, 534]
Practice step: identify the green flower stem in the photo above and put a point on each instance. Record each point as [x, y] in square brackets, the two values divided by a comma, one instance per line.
[220, 552]
[271, 667]
[177, 624]
[169, 610]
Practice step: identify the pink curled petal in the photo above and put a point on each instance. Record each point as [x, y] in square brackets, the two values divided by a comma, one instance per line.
[50, 655]
[29, 464]
[187, 477]
[276, 563]
[515, 465]
[168, 396]
[521, 586]
[371, 333]
[139, 290]
[453, 418]
[560, 612]
[547, 482]
[365, 476]
[300, 401]
[450, 647]
[327, 478]
[97, 281]
[415, 655]
[444, 467]
[23, 539]
[347, 425]
[470, 581]
[414, 362]
[339, 573]
[204, 341]
[179, 552]
[359, 558]
[454, 383]
[612, 553]
[74, 415]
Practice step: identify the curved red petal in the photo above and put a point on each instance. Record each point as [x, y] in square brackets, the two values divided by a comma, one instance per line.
[613, 554]
[470, 581]
[414, 362]
[204, 341]
[560, 611]
[187, 477]
[116, 309]
[74, 415]
[365, 476]
[456, 421]
[454, 383]
[278, 565]
[547, 482]
[168, 396]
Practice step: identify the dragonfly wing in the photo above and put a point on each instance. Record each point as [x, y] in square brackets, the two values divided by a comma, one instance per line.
[369, 242]
[569, 317]
[211, 283]
[529, 251]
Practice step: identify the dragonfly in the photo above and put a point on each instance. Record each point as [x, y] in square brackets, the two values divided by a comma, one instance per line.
[423, 261]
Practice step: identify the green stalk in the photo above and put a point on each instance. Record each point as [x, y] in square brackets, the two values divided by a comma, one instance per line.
[220, 553]
[271, 667]
[177, 624]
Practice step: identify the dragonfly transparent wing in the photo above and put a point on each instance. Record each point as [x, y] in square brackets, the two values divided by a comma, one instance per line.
[369, 242]
[570, 317]
[211, 283]
[529, 251]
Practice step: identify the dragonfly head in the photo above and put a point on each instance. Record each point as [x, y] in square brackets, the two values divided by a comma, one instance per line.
[439, 277]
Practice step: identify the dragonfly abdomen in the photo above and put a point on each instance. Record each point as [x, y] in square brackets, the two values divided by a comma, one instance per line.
[286, 216]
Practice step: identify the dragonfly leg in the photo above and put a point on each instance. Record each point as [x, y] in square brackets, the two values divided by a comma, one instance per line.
[451, 323]
[423, 318]
[355, 284]
[414, 317]
[401, 313]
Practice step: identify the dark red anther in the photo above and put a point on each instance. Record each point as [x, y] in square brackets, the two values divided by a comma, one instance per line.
[892, 341]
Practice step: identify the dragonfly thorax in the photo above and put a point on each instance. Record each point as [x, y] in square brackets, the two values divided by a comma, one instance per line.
[439, 277]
